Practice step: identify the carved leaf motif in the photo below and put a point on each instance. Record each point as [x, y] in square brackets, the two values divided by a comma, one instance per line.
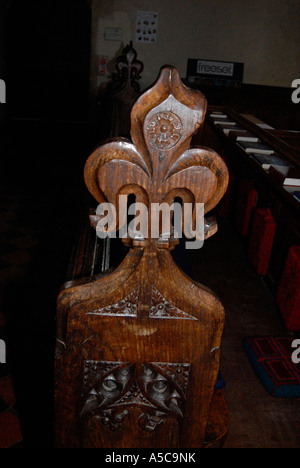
[95, 370]
[113, 419]
[122, 154]
[160, 307]
[134, 396]
[92, 403]
[126, 307]
[213, 170]
[178, 372]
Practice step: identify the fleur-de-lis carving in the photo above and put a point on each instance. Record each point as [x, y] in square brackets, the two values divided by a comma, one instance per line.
[158, 165]
[127, 64]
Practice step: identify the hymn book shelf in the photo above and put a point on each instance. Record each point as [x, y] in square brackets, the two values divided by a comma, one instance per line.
[271, 193]
[271, 104]
[269, 136]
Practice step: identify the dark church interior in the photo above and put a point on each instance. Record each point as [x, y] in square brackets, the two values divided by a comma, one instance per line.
[49, 125]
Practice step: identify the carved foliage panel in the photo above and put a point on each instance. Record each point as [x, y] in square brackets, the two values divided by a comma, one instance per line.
[111, 389]
[125, 307]
[159, 307]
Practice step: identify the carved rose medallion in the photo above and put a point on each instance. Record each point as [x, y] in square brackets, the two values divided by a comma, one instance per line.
[164, 130]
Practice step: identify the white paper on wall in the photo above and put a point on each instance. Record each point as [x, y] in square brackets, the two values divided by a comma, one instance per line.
[146, 27]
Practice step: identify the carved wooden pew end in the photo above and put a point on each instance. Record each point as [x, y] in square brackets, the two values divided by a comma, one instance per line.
[138, 347]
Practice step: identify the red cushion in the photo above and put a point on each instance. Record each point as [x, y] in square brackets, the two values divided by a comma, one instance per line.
[288, 291]
[261, 240]
[246, 201]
